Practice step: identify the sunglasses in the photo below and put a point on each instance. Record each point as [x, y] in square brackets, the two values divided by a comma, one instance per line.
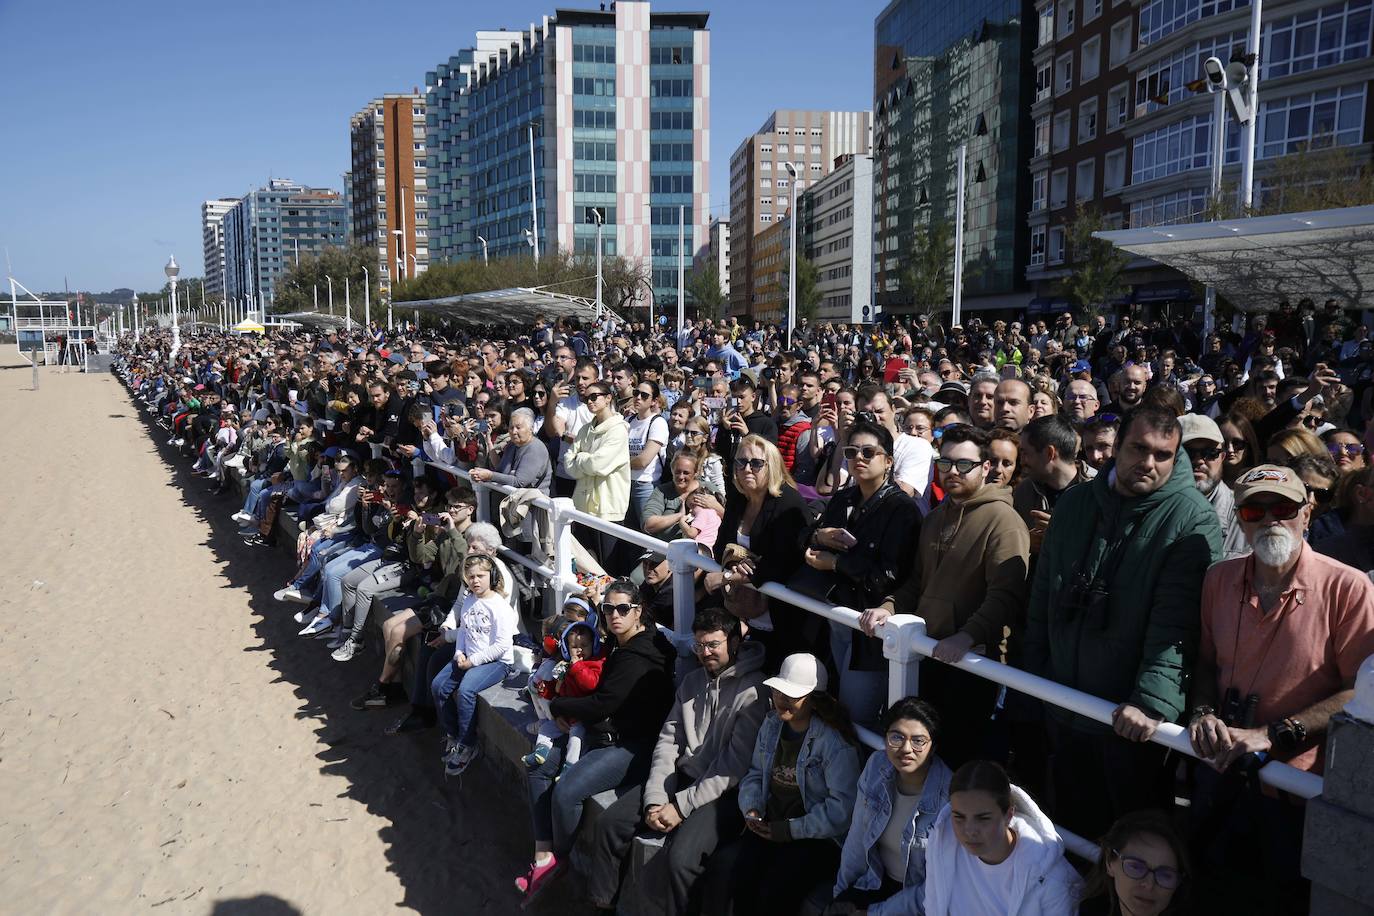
[644, 394]
[962, 465]
[594, 396]
[1236, 446]
[693, 434]
[753, 464]
[1282, 511]
[1204, 454]
[786, 402]
[616, 610]
[1101, 418]
[1322, 495]
[1353, 449]
[867, 452]
[1165, 877]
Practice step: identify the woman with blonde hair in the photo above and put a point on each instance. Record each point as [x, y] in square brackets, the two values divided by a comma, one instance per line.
[1289, 443]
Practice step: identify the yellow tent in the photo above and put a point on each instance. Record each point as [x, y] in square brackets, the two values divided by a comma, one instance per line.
[249, 327]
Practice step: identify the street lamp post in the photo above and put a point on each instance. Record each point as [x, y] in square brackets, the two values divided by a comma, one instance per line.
[171, 270]
[348, 305]
[1247, 141]
[600, 222]
[792, 256]
[330, 281]
[414, 272]
[367, 301]
[681, 269]
[961, 171]
[534, 201]
[137, 324]
[484, 251]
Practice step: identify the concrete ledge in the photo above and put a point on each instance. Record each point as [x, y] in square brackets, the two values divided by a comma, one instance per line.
[1335, 853]
[1349, 780]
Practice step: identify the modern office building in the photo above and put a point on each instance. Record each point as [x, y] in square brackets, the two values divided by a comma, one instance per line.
[271, 228]
[761, 183]
[717, 250]
[591, 109]
[1118, 124]
[389, 185]
[212, 241]
[837, 213]
[949, 73]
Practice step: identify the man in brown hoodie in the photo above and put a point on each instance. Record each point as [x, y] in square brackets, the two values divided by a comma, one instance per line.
[969, 583]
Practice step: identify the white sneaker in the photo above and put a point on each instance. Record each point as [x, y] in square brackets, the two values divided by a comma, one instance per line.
[345, 652]
[290, 593]
[243, 518]
[304, 615]
[338, 637]
[178, 442]
[317, 626]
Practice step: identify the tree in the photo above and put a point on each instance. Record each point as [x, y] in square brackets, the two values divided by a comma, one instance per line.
[1323, 179]
[808, 293]
[929, 272]
[296, 289]
[703, 288]
[1098, 266]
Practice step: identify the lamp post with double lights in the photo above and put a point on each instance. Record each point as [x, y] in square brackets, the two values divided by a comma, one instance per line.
[171, 270]
[484, 251]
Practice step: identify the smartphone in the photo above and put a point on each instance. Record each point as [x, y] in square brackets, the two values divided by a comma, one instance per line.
[830, 399]
[733, 403]
[430, 635]
[703, 383]
[429, 519]
[482, 427]
[453, 409]
[753, 817]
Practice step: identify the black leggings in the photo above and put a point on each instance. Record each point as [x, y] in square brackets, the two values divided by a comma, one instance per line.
[753, 875]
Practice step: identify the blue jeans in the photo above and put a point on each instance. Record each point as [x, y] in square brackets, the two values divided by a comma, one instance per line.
[862, 693]
[324, 549]
[455, 696]
[250, 501]
[339, 565]
[557, 807]
[640, 491]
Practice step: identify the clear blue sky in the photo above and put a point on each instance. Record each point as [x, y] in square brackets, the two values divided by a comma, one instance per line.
[120, 118]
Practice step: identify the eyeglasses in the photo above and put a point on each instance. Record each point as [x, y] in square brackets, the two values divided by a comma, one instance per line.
[867, 452]
[1204, 454]
[1080, 397]
[693, 434]
[1353, 449]
[896, 741]
[701, 648]
[786, 402]
[753, 464]
[963, 465]
[1282, 511]
[1165, 877]
[1101, 419]
[616, 610]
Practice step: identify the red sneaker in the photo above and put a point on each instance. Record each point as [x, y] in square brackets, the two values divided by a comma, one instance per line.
[537, 878]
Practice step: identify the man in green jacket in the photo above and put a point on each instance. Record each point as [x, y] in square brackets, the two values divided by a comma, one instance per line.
[1114, 612]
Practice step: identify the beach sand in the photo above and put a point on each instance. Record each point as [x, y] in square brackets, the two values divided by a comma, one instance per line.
[166, 742]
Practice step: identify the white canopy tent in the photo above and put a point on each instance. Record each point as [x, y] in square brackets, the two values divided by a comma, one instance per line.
[518, 305]
[1261, 260]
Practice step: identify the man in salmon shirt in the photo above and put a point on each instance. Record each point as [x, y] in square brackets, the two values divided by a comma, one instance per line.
[1284, 631]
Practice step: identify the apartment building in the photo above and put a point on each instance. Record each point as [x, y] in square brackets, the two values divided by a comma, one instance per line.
[212, 242]
[792, 150]
[837, 212]
[270, 229]
[388, 191]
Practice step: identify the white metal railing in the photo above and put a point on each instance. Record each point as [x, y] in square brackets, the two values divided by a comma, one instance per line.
[904, 638]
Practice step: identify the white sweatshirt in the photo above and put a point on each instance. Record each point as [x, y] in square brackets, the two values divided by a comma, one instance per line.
[483, 628]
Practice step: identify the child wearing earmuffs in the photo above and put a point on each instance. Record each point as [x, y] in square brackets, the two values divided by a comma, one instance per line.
[572, 644]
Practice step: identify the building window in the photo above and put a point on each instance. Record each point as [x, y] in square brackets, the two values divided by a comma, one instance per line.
[1042, 136]
[765, 147]
[1044, 81]
[1171, 149]
[1059, 188]
[1056, 242]
[1087, 120]
[1159, 18]
[815, 148]
[1039, 190]
[1175, 207]
[1321, 38]
[783, 149]
[1114, 171]
[1085, 179]
[1066, 10]
[1091, 10]
[1063, 130]
[1331, 117]
[1120, 43]
[1037, 257]
[1092, 59]
[1118, 105]
[1046, 20]
[1063, 73]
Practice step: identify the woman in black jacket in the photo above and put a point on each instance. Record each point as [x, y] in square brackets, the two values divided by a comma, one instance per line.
[855, 555]
[622, 717]
[758, 543]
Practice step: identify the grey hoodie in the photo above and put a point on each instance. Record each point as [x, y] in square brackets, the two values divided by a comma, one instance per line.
[708, 737]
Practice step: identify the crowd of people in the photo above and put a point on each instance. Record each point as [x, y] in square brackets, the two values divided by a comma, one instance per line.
[1181, 525]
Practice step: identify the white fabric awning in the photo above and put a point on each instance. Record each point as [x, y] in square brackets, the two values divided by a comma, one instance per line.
[313, 319]
[518, 305]
[1259, 261]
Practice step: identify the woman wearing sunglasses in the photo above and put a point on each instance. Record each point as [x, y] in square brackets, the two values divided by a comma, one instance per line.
[1142, 869]
[648, 445]
[764, 517]
[622, 717]
[856, 555]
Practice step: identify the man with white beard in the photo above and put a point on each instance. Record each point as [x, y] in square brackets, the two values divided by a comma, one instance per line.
[1203, 442]
[1284, 631]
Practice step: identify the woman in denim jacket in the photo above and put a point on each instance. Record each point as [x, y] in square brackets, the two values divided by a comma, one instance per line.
[796, 799]
[901, 792]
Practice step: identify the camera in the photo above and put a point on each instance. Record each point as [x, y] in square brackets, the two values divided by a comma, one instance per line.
[1084, 595]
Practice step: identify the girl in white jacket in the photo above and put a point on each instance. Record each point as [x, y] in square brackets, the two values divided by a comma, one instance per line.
[481, 625]
[992, 852]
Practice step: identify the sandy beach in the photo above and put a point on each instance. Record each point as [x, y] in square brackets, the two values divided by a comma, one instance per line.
[166, 742]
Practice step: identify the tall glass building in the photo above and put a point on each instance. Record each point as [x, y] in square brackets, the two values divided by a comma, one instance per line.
[599, 110]
[948, 72]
